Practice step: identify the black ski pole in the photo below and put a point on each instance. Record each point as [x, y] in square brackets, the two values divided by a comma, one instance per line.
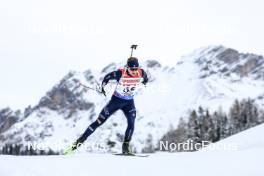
[92, 89]
[87, 87]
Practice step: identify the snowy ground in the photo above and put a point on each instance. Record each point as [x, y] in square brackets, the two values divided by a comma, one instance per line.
[247, 160]
[218, 164]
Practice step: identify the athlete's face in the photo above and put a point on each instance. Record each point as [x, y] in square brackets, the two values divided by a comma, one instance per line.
[132, 70]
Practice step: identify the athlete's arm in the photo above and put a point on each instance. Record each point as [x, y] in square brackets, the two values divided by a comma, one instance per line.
[145, 77]
[115, 75]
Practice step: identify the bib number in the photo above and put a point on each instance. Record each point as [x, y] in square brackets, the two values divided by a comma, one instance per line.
[129, 90]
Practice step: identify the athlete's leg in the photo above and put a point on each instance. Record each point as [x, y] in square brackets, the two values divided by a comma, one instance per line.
[130, 113]
[106, 112]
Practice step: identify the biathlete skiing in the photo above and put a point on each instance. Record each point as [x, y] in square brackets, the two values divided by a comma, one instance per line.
[128, 79]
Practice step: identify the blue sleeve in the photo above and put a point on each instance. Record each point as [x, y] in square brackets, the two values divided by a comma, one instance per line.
[145, 77]
[115, 75]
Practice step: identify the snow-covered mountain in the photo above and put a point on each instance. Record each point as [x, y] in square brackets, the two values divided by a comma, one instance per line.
[8, 118]
[211, 77]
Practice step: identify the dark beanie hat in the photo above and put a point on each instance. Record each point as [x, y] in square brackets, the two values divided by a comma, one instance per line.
[132, 62]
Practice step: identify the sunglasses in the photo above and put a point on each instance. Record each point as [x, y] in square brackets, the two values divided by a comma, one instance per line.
[133, 68]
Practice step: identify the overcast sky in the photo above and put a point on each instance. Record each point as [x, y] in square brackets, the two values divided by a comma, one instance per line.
[41, 40]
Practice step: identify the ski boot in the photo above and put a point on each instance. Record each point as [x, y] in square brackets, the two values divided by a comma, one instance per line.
[126, 150]
[71, 149]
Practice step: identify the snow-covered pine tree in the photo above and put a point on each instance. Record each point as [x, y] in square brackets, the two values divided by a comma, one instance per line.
[235, 118]
[194, 132]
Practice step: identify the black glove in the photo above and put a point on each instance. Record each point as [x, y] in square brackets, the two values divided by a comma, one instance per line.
[103, 91]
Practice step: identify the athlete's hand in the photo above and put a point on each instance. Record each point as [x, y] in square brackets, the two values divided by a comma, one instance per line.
[103, 91]
[144, 83]
[100, 89]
